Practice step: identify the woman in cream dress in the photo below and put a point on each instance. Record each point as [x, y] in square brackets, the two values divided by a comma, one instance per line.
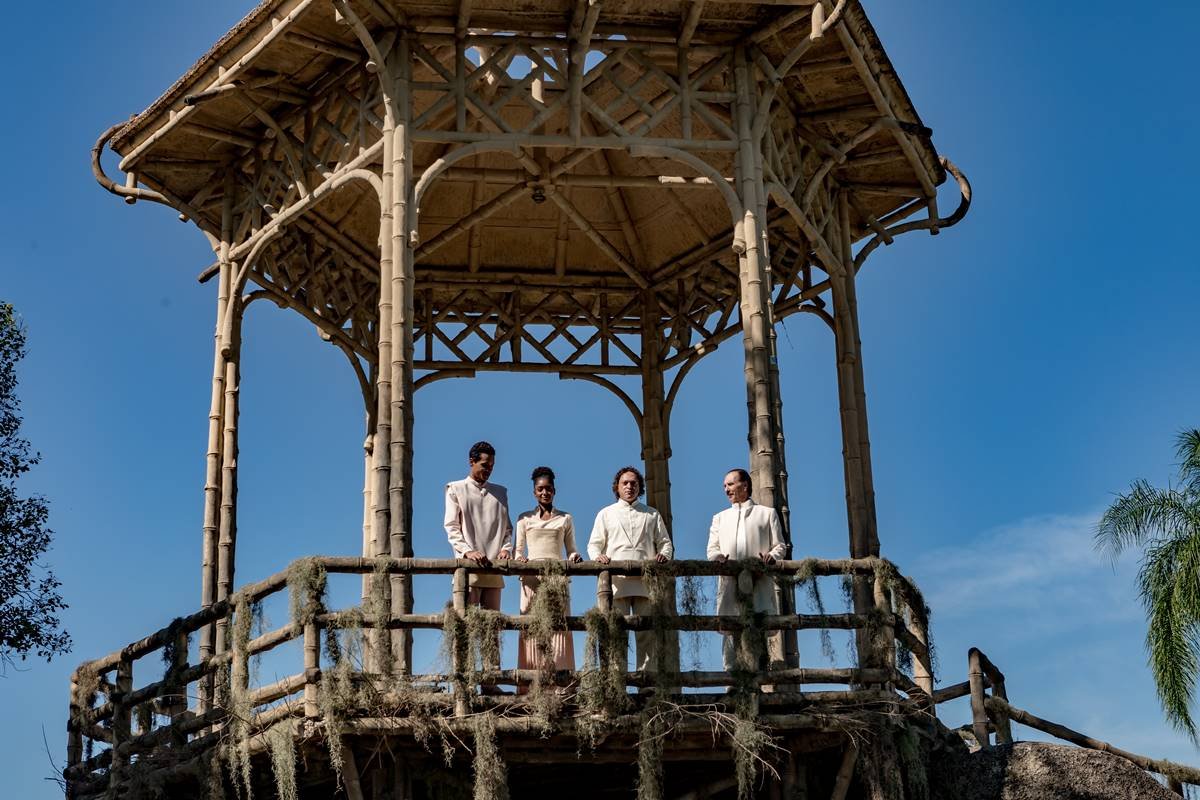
[544, 533]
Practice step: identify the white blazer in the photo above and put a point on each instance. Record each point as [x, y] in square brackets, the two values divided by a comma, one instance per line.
[762, 533]
[629, 532]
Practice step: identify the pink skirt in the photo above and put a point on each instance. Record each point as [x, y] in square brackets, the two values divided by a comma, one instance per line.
[561, 646]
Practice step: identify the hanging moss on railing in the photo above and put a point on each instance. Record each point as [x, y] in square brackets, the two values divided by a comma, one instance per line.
[282, 745]
[339, 694]
[306, 582]
[379, 607]
[548, 618]
[491, 775]
[237, 731]
[653, 734]
[806, 580]
[602, 694]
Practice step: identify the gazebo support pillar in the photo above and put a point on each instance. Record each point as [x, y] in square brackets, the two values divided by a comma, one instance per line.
[852, 397]
[402, 287]
[764, 408]
[656, 442]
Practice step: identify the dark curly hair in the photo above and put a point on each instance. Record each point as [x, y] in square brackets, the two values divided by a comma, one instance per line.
[478, 449]
[542, 472]
[635, 471]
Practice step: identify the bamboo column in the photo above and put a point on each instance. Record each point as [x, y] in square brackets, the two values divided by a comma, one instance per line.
[754, 291]
[212, 472]
[764, 406]
[656, 448]
[382, 445]
[860, 499]
[402, 289]
[860, 492]
[227, 530]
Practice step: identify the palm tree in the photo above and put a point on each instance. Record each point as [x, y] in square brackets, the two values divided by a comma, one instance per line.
[1165, 523]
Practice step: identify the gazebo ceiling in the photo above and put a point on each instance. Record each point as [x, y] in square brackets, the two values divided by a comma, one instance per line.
[290, 85]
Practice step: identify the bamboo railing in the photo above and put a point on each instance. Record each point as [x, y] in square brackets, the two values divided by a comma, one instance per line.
[179, 713]
[994, 714]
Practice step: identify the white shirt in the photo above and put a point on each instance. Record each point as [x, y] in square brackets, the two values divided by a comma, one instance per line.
[629, 532]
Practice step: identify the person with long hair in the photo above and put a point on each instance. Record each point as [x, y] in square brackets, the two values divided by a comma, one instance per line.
[630, 530]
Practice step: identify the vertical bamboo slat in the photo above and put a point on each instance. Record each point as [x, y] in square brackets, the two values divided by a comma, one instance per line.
[922, 663]
[227, 532]
[459, 599]
[312, 665]
[604, 591]
[979, 719]
[845, 772]
[122, 721]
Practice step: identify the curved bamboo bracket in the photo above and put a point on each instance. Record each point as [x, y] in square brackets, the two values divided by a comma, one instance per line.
[612, 387]
[441, 375]
[434, 170]
[932, 224]
[677, 381]
[736, 211]
[374, 51]
[130, 191]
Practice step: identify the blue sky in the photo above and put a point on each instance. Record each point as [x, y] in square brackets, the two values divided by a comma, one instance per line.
[1021, 368]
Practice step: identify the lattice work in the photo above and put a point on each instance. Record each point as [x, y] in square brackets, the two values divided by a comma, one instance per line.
[326, 285]
[625, 91]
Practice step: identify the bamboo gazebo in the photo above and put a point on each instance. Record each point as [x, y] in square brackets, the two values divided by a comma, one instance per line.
[558, 186]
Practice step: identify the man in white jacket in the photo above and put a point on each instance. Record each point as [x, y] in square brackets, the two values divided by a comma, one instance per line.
[744, 530]
[478, 525]
[629, 530]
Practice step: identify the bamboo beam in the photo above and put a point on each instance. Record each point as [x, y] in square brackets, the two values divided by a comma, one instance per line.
[598, 239]
[1178, 772]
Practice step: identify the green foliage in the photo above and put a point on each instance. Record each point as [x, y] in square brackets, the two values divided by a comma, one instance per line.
[1165, 524]
[30, 602]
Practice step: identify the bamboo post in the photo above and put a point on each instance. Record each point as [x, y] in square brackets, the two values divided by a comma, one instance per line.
[922, 663]
[402, 288]
[656, 452]
[177, 702]
[122, 721]
[979, 718]
[604, 591]
[884, 644]
[845, 772]
[212, 476]
[462, 704]
[382, 445]
[350, 774]
[227, 531]
[74, 733]
[753, 283]
[312, 668]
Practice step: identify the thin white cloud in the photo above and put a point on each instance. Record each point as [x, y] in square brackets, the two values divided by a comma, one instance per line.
[1042, 562]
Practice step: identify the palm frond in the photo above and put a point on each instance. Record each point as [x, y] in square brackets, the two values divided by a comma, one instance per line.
[1141, 516]
[1171, 639]
[1187, 450]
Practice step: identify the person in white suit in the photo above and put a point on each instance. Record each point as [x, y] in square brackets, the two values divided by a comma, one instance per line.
[744, 530]
[629, 530]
